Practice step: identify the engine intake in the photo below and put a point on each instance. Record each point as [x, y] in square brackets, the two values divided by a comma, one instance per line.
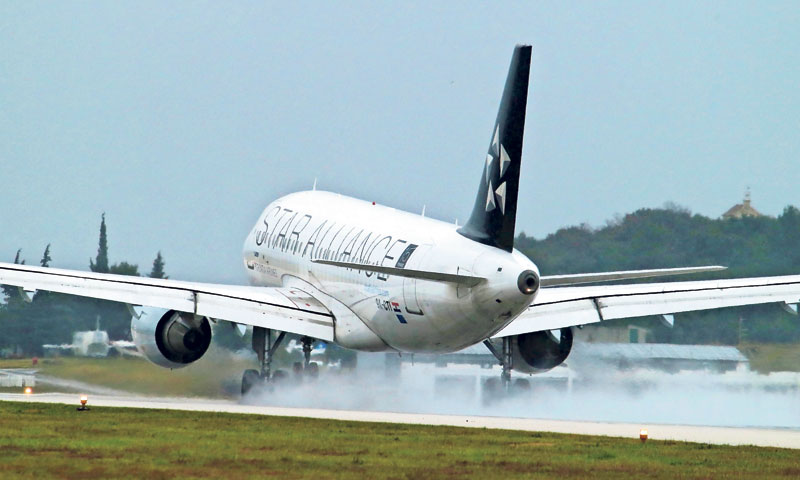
[169, 338]
[542, 351]
[538, 352]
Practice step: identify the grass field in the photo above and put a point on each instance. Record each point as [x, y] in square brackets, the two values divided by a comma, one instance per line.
[765, 357]
[215, 375]
[218, 373]
[56, 441]
[15, 363]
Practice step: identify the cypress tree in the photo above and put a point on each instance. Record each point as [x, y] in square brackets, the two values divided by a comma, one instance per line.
[100, 265]
[158, 267]
[10, 292]
[45, 262]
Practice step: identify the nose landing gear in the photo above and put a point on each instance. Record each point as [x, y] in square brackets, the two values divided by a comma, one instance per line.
[308, 345]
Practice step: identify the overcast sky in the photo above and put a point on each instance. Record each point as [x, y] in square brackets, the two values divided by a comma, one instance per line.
[182, 120]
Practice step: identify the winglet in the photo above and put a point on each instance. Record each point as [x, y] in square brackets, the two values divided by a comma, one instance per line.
[494, 215]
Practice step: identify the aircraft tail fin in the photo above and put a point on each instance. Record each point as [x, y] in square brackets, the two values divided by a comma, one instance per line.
[494, 215]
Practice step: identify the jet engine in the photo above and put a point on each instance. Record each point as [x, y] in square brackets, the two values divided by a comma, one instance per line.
[538, 352]
[169, 338]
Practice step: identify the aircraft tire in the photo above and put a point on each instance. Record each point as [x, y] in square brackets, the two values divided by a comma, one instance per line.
[492, 390]
[297, 372]
[279, 376]
[521, 386]
[250, 379]
[312, 371]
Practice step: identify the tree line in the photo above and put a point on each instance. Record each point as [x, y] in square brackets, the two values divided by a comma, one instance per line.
[647, 238]
[674, 237]
[52, 318]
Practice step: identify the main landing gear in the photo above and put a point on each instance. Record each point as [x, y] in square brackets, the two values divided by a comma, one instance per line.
[265, 349]
[506, 360]
[494, 388]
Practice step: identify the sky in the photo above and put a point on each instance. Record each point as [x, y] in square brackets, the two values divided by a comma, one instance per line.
[183, 120]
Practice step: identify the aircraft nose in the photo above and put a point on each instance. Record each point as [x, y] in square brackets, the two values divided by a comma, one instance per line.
[528, 282]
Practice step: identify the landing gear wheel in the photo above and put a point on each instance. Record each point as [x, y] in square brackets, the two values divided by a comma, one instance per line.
[279, 376]
[492, 390]
[251, 379]
[312, 370]
[297, 372]
[521, 385]
[265, 349]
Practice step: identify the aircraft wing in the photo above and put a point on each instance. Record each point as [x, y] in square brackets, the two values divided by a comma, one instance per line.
[561, 307]
[285, 309]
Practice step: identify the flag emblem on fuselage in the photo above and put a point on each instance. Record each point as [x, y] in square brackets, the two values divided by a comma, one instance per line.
[396, 310]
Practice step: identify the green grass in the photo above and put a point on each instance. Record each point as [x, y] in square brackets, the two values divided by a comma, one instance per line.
[214, 375]
[17, 363]
[56, 441]
[772, 357]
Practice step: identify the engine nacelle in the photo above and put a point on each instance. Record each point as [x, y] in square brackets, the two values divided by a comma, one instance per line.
[538, 352]
[169, 338]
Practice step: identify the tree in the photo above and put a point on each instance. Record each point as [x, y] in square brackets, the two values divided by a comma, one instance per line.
[8, 291]
[125, 268]
[672, 237]
[158, 267]
[45, 262]
[100, 265]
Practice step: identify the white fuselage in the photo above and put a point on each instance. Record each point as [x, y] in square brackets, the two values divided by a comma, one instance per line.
[407, 314]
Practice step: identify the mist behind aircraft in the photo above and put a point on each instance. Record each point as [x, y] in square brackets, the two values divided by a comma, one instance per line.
[733, 399]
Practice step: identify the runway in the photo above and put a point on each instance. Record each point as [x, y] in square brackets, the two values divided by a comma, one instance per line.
[783, 438]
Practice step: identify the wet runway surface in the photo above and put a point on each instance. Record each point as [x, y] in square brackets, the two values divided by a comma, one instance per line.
[785, 438]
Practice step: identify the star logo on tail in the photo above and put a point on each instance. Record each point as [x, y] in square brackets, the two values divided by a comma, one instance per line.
[496, 197]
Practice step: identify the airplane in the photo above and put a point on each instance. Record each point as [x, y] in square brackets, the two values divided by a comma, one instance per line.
[94, 343]
[367, 277]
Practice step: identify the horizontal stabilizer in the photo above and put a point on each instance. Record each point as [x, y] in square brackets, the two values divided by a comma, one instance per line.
[561, 280]
[467, 280]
